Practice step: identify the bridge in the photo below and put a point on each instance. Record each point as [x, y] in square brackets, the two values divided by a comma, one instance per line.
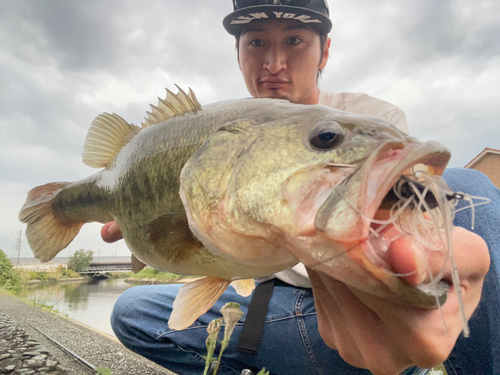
[97, 267]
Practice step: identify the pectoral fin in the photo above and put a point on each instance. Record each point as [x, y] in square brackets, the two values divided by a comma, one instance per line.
[171, 231]
[195, 299]
[244, 287]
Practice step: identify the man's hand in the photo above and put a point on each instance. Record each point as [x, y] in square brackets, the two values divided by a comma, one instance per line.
[110, 232]
[387, 337]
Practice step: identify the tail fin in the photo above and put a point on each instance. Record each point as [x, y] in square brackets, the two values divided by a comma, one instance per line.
[46, 235]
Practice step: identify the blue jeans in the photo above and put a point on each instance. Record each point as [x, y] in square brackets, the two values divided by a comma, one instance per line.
[291, 343]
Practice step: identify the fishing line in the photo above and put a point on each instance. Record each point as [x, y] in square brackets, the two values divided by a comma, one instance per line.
[469, 199]
[425, 224]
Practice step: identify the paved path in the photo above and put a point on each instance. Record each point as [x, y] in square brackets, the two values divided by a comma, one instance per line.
[96, 348]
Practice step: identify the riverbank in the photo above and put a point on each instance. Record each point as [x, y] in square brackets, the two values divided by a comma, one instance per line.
[158, 281]
[98, 349]
[60, 280]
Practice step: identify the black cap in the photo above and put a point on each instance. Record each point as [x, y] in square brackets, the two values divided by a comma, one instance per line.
[314, 13]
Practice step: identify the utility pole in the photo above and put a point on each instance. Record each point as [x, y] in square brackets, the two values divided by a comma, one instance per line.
[17, 246]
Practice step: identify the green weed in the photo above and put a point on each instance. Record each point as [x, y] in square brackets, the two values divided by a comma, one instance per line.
[149, 272]
[103, 371]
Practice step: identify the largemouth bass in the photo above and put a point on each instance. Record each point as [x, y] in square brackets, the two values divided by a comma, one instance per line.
[261, 183]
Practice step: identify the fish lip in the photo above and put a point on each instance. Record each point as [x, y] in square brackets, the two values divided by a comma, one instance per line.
[430, 153]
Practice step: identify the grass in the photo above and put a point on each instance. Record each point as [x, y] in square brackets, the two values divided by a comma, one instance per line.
[49, 277]
[9, 279]
[119, 275]
[15, 281]
[149, 272]
[103, 371]
[40, 300]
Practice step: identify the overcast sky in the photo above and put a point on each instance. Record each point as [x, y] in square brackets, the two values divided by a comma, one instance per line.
[64, 62]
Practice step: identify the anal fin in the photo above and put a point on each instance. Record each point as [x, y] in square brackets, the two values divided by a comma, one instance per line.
[136, 264]
[195, 299]
[244, 287]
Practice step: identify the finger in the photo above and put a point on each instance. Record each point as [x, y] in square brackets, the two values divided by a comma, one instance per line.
[355, 331]
[422, 336]
[332, 324]
[472, 261]
[407, 258]
[110, 232]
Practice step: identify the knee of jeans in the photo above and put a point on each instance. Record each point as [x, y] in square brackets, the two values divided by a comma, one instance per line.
[124, 309]
[119, 311]
[466, 179]
[143, 309]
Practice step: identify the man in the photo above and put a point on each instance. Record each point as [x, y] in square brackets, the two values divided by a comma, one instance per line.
[282, 47]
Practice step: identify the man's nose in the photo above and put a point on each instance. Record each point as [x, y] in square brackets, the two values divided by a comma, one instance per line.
[275, 60]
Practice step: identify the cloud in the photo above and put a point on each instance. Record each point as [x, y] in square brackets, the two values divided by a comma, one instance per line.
[62, 63]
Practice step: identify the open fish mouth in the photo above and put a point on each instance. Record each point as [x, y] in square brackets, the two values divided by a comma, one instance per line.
[349, 215]
[348, 212]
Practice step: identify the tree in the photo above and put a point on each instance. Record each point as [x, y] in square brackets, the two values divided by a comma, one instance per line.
[8, 278]
[80, 260]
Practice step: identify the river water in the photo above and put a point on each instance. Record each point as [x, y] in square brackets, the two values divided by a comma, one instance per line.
[89, 302]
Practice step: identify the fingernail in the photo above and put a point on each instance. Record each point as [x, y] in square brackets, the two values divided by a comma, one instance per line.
[113, 229]
[421, 261]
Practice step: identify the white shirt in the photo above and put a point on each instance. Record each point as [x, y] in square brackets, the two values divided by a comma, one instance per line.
[362, 104]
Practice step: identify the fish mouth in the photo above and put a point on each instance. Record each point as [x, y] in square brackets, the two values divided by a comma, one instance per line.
[348, 212]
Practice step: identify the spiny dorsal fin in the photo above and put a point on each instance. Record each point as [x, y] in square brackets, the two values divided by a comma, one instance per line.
[106, 136]
[173, 105]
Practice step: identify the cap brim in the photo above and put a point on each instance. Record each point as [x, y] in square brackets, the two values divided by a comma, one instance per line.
[234, 22]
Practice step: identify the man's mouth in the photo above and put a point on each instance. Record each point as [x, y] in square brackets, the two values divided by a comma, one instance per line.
[273, 82]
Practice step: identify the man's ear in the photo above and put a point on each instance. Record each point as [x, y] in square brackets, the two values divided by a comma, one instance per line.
[326, 53]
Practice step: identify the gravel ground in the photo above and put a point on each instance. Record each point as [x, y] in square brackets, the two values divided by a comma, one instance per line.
[24, 346]
[20, 354]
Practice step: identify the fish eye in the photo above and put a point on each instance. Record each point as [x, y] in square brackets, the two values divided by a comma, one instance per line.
[326, 136]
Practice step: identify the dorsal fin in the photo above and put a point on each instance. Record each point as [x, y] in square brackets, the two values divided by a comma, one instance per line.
[106, 136]
[173, 105]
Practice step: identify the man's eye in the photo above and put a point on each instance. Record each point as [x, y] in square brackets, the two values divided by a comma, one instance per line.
[257, 43]
[294, 40]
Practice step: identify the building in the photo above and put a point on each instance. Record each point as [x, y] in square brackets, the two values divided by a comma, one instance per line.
[488, 162]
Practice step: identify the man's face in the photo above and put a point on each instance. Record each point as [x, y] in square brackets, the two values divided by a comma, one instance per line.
[281, 59]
